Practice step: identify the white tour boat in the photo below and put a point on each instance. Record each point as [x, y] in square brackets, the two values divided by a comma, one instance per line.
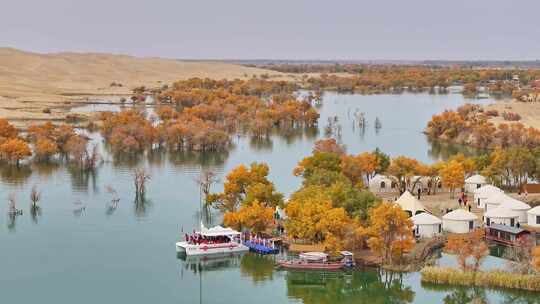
[209, 241]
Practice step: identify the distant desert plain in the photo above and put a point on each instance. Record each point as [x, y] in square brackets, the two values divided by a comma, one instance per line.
[32, 82]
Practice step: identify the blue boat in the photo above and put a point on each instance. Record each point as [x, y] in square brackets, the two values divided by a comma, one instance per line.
[260, 248]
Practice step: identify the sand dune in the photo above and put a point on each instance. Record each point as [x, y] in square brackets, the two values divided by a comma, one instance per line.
[30, 82]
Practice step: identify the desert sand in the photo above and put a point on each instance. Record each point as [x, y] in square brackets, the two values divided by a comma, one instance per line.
[32, 82]
[529, 112]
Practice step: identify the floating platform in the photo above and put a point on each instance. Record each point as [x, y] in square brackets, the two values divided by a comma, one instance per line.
[259, 248]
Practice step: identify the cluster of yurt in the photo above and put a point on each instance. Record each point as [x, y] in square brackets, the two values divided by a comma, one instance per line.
[459, 221]
[475, 182]
[410, 204]
[481, 195]
[533, 217]
[382, 183]
[426, 225]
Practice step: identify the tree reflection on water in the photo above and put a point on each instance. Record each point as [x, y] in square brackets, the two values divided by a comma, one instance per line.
[354, 287]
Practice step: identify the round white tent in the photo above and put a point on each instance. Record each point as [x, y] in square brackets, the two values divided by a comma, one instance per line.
[494, 200]
[474, 182]
[382, 183]
[410, 204]
[501, 215]
[426, 225]
[533, 217]
[484, 192]
[459, 221]
[516, 206]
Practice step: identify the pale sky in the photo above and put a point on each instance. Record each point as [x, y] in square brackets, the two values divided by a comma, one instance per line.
[278, 29]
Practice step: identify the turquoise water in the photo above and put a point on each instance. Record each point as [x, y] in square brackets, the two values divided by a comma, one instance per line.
[78, 249]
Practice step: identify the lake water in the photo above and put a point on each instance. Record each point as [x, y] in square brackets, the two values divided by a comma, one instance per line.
[80, 250]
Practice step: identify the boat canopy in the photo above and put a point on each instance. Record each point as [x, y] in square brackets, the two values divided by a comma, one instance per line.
[314, 256]
[218, 231]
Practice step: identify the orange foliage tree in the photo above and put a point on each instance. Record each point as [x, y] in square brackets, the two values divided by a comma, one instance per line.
[254, 216]
[7, 131]
[389, 232]
[245, 185]
[453, 176]
[469, 247]
[14, 150]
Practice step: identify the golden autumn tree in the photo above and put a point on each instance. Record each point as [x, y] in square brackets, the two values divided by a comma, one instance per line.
[468, 247]
[254, 216]
[45, 148]
[453, 176]
[7, 130]
[389, 232]
[329, 145]
[14, 150]
[245, 185]
[403, 168]
[314, 219]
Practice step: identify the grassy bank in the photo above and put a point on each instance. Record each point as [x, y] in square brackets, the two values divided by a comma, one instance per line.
[494, 279]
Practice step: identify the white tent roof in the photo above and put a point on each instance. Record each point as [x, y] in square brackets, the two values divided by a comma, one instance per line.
[460, 215]
[534, 211]
[514, 204]
[425, 219]
[501, 212]
[217, 231]
[496, 198]
[476, 179]
[486, 191]
[409, 203]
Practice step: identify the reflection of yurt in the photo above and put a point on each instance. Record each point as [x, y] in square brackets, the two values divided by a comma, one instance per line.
[382, 183]
[426, 225]
[474, 182]
[501, 215]
[458, 221]
[410, 204]
[533, 217]
[516, 206]
[484, 192]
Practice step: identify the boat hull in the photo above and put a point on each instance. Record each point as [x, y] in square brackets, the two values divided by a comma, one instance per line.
[312, 266]
[210, 249]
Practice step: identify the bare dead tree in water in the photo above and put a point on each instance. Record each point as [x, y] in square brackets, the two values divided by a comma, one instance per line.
[91, 159]
[139, 180]
[205, 181]
[115, 198]
[35, 196]
[12, 202]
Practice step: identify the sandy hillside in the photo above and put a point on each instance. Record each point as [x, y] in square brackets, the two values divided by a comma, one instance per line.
[529, 112]
[30, 82]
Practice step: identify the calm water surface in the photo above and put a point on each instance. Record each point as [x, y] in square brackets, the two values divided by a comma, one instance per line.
[78, 249]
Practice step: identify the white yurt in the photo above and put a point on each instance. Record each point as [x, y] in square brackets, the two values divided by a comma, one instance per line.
[517, 206]
[533, 217]
[501, 215]
[426, 225]
[474, 182]
[382, 183]
[494, 200]
[410, 204]
[482, 193]
[459, 221]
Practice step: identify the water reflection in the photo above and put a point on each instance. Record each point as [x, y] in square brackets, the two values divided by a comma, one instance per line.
[198, 265]
[14, 175]
[258, 267]
[35, 213]
[141, 206]
[355, 287]
[466, 294]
